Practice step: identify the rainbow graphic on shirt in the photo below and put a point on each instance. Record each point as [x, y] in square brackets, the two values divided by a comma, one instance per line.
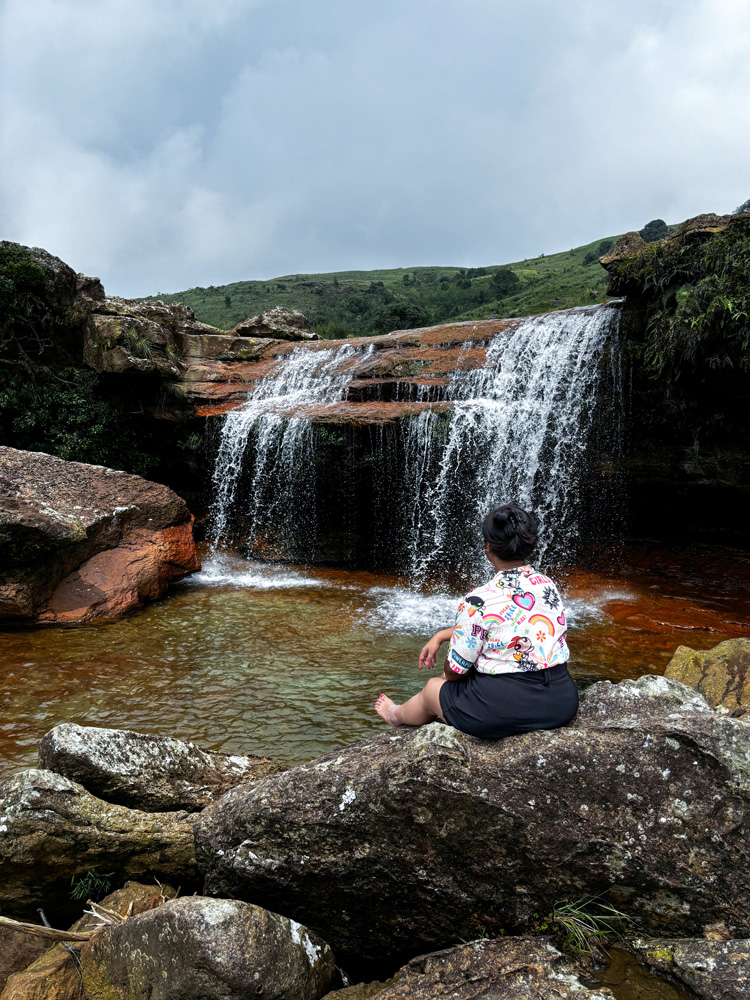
[544, 620]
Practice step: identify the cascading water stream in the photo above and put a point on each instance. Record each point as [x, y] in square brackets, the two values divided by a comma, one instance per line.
[273, 429]
[518, 430]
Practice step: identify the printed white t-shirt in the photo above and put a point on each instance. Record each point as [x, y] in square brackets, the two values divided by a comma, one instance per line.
[515, 622]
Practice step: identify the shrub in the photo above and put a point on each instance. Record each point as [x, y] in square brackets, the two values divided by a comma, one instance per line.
[654, 230]
[505, 281]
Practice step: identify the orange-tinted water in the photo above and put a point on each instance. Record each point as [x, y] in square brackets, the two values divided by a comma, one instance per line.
[270, 659]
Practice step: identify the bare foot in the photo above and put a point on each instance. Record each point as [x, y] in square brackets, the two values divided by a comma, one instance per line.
[387, 710]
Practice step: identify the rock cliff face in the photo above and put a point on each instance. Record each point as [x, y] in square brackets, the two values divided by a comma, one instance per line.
[80, 543]
[687, 301]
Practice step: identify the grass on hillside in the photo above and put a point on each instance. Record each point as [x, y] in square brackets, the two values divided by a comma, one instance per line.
[353, 303]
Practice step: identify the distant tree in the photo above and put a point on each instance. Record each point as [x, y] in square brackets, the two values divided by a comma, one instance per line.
[604, 247]
[744, 207]
[505, 282]
[401, 316]
[227, 300]
[406, 280]
[654, 230]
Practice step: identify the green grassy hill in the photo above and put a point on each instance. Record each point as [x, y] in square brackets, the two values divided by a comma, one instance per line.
[345, 303]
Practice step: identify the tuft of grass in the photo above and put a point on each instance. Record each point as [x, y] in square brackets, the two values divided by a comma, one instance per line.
[92, 885]
[586, 925]
[138, 345]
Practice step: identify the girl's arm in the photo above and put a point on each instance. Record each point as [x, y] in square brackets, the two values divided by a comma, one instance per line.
[431, 649]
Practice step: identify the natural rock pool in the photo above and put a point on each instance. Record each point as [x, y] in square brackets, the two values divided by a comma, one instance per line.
[267, 659]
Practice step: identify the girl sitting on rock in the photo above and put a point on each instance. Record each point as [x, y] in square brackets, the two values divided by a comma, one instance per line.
[506, 670]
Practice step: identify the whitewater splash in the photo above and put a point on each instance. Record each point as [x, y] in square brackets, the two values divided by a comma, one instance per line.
[274, 451]
[519, 430]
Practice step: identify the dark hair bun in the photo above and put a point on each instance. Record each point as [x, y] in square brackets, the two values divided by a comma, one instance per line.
[512, 533]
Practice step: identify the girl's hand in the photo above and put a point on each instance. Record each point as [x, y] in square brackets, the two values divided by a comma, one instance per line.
[431, 649]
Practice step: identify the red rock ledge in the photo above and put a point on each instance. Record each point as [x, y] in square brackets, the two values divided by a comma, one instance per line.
[81, 543]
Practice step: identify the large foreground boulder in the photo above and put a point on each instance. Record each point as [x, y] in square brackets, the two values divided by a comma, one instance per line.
[53, 829]
[714, 970]
[155, 773]
[411, 840]
[81, 543]
[501, 969]
[207, 949]
[721, 674]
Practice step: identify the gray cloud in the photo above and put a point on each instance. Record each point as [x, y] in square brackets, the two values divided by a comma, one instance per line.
[163, 145]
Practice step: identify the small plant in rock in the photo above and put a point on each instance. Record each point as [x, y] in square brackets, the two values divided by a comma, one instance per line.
[583, 927]
[138, 345]
[93, 885]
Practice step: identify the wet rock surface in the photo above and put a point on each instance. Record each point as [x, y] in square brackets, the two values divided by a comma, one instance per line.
[714, 970]
[152, 773]
[501, 969]
[53, 829]
[81, 543]
[207, 949]
[407, 841]
[721, 674]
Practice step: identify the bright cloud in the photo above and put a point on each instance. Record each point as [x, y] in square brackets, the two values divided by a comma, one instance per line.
[163, 145]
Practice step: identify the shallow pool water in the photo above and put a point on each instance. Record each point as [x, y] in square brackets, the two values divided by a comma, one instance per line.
[257, 658]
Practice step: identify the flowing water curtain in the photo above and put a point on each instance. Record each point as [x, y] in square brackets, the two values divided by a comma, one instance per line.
[265, 470]
[519, 430]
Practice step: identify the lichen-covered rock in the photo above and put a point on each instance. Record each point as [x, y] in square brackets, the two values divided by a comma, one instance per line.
[409, 840]
[81, 543]
[278, 323]
[52, 828]
[631, 703]
[714, 970]
[54, 975]
[153, 773]
[501, 969]
[207, 949]
[721, 674]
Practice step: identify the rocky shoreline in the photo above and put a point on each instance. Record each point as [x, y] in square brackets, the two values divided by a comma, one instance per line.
[359, 862]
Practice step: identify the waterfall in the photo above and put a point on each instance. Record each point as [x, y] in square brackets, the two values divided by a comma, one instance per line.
[518, 430]
[269, 442]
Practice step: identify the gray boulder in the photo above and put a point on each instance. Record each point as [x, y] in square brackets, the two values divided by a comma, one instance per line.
[714, 970]
[277, 323]
[408, 841]
[53, 829]
[154, 773]
[501, 969]
[207, 949]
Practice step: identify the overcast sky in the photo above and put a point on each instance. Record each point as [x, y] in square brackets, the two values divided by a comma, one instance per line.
[162, 144]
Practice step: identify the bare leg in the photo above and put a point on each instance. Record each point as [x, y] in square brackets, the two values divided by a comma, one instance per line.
[417, 711]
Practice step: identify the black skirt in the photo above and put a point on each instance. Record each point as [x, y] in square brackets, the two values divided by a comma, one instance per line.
[497, 705]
